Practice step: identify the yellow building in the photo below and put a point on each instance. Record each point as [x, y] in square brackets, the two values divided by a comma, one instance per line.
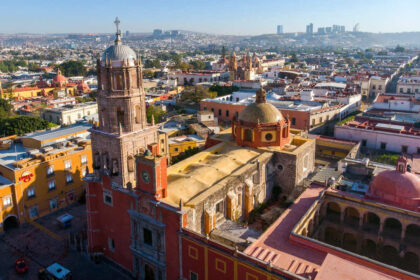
[31, 92]
[329, 147]
[179, 145]
[42, 172]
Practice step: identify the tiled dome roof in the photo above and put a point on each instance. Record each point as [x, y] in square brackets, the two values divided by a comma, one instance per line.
[396, 188]
[260, 111]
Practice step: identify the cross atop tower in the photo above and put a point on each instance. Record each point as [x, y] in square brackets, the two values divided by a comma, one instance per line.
[117, 23]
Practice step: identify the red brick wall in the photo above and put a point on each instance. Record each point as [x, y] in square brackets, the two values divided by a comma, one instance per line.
[110, 222]
[302, 118]
[215, 107]
[210, 260]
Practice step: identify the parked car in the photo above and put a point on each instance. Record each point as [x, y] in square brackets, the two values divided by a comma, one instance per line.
[21, 266]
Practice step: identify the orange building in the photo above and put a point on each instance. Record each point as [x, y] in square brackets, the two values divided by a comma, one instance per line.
[42, 172]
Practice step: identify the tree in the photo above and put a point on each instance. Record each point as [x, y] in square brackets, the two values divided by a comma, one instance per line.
[22, 124]
[398, 48]
[198, 65]
[223, 90]
[156, 112]
[196, 94]
[152, 63]
[148, 74]
[5, 108]
[73, 68]
[33, 67]
[294, 58]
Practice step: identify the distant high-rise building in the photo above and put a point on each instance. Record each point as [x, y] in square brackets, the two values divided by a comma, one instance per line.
[328, 29]
[356, 28]
[127, 33]
[342, 29]
[174, 33]
[336, 28]
[279, 29]
[321, 30]
[310, 28]
[157, 32]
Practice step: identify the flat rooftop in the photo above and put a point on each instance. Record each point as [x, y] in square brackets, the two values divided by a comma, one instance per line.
[58, 133]
[73, 107]
[184, 138]
[335, 267]
[249, 98]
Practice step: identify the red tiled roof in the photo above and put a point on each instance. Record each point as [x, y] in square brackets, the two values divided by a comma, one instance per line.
[274, 242]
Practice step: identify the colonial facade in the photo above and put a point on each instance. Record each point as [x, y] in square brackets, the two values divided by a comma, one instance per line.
[152, 219]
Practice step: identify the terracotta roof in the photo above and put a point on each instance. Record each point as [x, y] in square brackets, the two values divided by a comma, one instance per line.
[275, 240]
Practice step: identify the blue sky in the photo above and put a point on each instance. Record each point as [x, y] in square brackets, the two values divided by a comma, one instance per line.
[241, 17]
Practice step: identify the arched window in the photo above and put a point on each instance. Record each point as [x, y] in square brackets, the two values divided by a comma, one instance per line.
[130, 162]
[120, 117]
[137, 112]
[115, 168]
[105, 160]
[119, 81]
[97, 161]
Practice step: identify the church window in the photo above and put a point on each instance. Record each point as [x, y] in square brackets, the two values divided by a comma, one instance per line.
[219, 207]
[193, 276]
[97, 162]
[293, 121]
[120, 116]
[227, 113]
[111, 244]
[119, 79]
[130, 164]
[137, 112]
[147, 237]
[108, 197]
[115, 167]
[248, 134]
[268, 136]
[305, 162]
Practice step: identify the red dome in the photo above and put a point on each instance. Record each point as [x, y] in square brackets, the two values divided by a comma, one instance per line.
[59, 77]
[83, 87]
[401, 189]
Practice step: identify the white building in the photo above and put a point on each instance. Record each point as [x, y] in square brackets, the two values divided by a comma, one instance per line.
[381, 136]
[70, 114]
[193, 78]
[409, 85]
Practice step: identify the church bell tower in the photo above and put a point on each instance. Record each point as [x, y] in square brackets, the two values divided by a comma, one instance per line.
[123, 130]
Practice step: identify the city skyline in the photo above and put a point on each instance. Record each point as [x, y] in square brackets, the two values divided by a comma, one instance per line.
[224, 18]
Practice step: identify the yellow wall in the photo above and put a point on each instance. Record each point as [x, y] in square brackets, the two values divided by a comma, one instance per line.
[337, 149]
[176, 149]
[22, 203]
[32, 92]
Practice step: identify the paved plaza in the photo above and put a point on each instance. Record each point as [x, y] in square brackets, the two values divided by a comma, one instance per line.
[44, 242]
